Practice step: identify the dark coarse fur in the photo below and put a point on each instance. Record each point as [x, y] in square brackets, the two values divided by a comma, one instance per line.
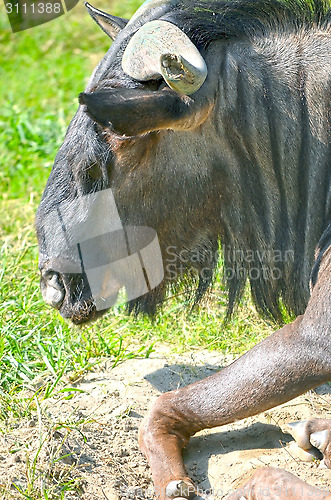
[240, 20]
[267, 195]
[296, 232]
[207, 21]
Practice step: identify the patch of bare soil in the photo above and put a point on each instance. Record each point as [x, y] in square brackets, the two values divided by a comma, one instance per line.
[92, 437]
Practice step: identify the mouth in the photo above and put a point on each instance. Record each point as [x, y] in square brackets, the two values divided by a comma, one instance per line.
[80, 313]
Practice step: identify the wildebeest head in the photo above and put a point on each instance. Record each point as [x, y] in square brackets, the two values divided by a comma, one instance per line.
[180, 132]
[116, 142]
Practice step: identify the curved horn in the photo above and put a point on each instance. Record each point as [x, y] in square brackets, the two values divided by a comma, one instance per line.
[160, 48]
[149, 5]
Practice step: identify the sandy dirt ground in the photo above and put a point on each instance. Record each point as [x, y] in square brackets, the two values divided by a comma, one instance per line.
[91, 438]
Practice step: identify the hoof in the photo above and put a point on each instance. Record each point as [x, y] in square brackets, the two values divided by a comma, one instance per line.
[196, 497]
[180, 490]
[299, 432]
[313, 444]
[203, 497]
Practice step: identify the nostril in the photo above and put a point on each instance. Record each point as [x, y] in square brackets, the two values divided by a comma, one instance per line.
[52, 278]
[52, 288]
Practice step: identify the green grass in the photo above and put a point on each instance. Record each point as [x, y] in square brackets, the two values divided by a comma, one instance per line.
[42, 71]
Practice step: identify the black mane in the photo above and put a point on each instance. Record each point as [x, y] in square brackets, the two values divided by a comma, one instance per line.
[208, 21]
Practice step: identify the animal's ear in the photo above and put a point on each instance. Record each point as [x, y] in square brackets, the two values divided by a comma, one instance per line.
[111, 25]
[133, 112]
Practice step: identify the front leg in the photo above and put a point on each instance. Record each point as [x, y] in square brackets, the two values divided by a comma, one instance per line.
[283, 366]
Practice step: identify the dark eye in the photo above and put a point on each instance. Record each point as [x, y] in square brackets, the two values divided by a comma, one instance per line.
[94, 171]
[100, 168]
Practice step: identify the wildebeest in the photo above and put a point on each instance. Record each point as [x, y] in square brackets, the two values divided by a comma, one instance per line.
[210, 122]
